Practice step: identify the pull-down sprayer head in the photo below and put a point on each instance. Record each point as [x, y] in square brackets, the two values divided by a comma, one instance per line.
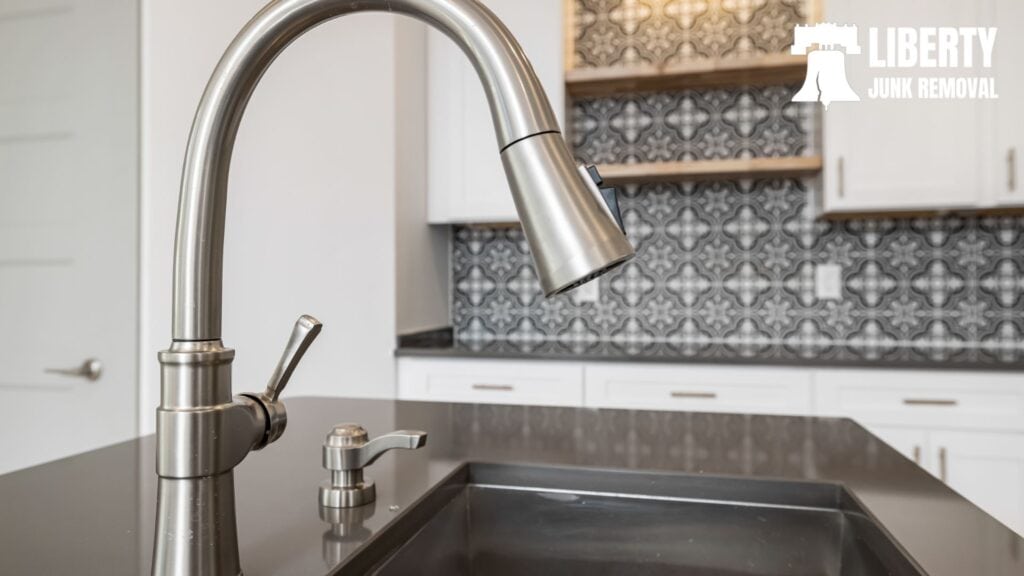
[572, 235]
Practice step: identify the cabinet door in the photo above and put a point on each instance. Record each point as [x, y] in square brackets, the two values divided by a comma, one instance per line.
[911, 442]
[1008, 117]
[987, 469]
[885, 155]
[465, 178]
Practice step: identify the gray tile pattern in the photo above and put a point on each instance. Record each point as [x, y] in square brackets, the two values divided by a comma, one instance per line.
[658, 32]
[693, 125]
[727, 268]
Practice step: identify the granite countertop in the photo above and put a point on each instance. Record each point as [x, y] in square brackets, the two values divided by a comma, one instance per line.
[441, 344]
[94, 513]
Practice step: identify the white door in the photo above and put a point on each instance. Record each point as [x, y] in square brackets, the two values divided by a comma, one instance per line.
[885, 155]
[986, 468]
[68, 203]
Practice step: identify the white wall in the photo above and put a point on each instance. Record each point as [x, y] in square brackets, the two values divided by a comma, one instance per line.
[421, 259]
[311, 214]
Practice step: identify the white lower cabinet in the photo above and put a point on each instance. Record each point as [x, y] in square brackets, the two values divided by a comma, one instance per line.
[491, 381]
[698, 388]
[966, 428]
[987, 468]
[911, 442]
[923, 398]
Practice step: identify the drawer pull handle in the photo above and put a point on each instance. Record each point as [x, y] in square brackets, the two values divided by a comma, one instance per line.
[494, 387]
[943, 465]
[929, 402]
[703, 395]
[1011, 167]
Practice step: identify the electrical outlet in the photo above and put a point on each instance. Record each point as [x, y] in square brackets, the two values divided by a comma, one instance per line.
[828, 281]
[589, 292]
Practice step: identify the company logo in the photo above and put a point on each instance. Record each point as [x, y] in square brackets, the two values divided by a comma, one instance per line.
[826, 67]
[960, 52]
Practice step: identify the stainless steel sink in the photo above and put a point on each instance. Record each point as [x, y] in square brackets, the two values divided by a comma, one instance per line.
[502, 520]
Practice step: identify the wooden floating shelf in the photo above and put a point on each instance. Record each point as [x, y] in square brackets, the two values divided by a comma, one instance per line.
[791, 166]
[707, 73]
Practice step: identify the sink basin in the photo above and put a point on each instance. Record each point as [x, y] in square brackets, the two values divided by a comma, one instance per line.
[507, 519]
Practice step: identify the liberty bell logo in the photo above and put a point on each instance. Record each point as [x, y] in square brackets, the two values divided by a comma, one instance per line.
[826, 66]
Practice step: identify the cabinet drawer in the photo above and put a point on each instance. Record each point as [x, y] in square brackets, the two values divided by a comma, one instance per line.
[491, 381]
[924, 398]
[699, 389]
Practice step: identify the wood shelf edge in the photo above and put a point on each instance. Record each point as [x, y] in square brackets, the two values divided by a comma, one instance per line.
[793, 166]
[723, 72]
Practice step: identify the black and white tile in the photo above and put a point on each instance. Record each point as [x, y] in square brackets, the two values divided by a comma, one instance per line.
[661, 32]
[692, 125]
[727, 268]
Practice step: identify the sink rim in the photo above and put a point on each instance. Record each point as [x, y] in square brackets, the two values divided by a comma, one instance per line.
[543, 478]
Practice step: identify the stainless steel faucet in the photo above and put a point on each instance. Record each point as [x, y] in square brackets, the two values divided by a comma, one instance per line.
[203, 431]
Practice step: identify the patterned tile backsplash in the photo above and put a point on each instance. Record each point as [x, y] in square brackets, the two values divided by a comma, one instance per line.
[693, 125]
[660, 32]
[731, 266]
[727, 269]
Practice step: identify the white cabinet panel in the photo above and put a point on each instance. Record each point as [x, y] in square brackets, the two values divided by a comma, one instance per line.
[1009, 113]
[987, 469]
[923, 398]
[902, 155]
[465, 177]
[701, 389]
[491, 381]
[911, 442]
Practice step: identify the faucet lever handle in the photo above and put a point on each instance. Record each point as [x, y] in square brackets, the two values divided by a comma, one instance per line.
[305, 331]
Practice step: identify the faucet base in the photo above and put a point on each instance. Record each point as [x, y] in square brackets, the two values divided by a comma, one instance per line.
[196, 533]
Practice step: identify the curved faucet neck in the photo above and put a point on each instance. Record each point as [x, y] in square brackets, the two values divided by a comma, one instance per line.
[518, 106]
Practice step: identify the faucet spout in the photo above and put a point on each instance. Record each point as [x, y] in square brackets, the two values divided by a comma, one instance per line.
[518, 107]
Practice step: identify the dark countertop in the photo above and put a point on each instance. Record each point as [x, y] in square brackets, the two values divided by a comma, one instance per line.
[94, 513]
[440, 344]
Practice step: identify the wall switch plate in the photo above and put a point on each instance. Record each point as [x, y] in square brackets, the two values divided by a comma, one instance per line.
[589, 292]
[828, 281]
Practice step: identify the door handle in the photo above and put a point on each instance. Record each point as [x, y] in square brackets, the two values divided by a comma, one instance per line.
[91, 369]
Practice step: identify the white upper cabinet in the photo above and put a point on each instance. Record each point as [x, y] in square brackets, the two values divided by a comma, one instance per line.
[1008, 117]
[891, 155]
[466, 181]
